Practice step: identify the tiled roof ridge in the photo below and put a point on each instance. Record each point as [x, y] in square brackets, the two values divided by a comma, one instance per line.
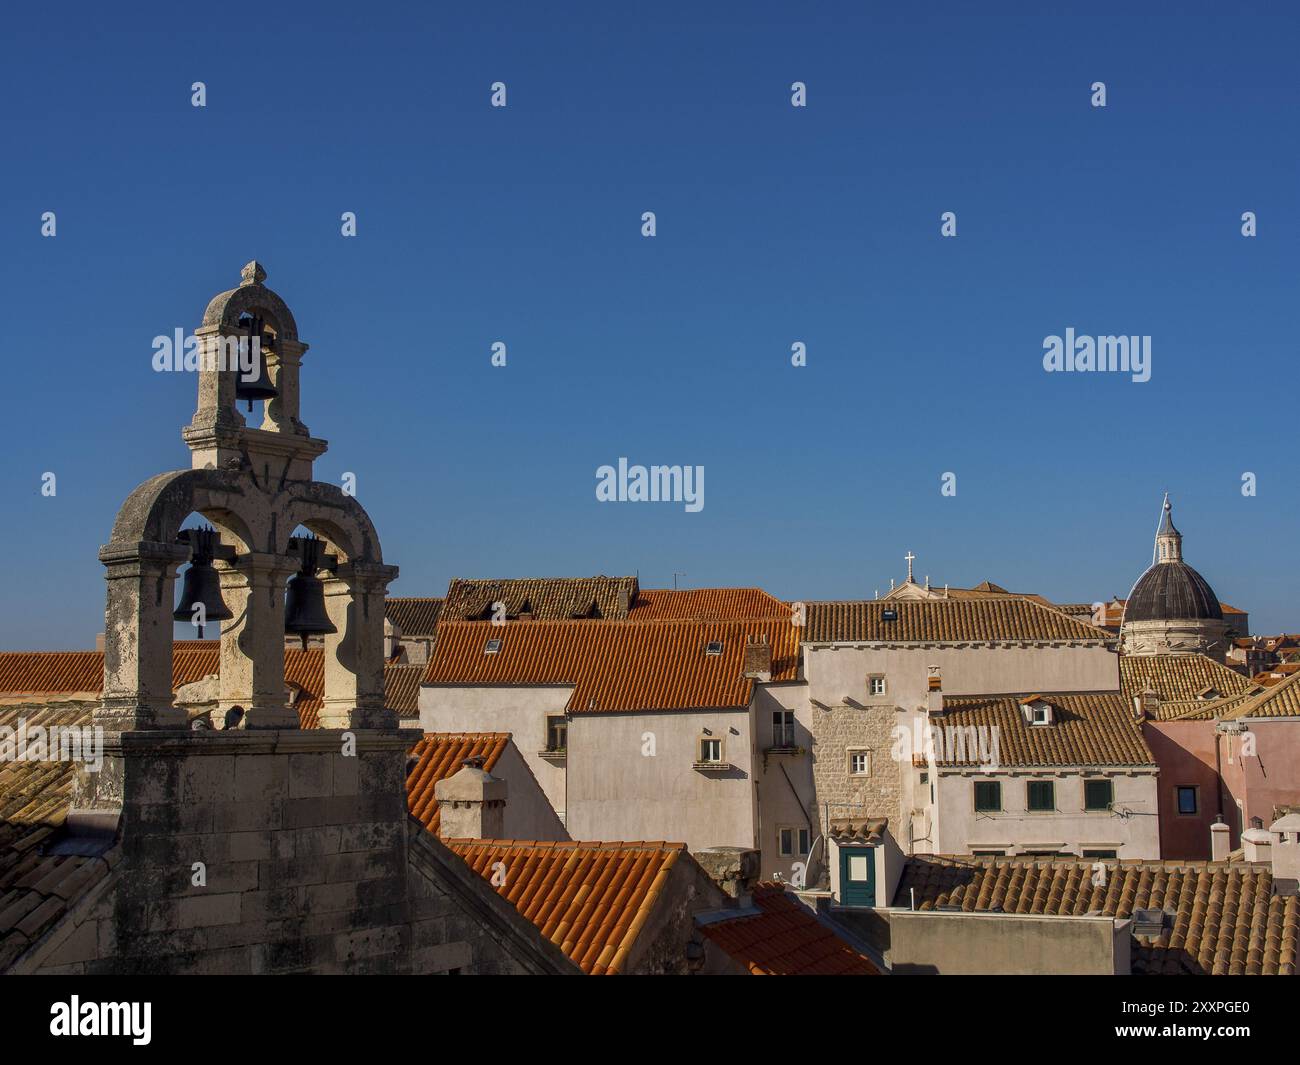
[571, 844]
[1161, 864]
[589, 624]
[1283, 687]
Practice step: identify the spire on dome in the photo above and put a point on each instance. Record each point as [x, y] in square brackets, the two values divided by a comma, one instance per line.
[1169, 541]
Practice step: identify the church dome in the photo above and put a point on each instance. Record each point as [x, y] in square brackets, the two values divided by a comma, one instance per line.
[1171, 590]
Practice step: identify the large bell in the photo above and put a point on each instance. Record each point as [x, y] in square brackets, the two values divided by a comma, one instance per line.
[202, 585]
[304, 599]
[259, 386]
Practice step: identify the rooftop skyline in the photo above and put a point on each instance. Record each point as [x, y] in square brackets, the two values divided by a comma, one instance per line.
[776, 225]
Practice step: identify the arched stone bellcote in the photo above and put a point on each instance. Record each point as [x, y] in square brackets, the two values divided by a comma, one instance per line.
[255, 487]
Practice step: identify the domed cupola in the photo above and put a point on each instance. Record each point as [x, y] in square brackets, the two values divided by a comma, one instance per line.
[1172, 609]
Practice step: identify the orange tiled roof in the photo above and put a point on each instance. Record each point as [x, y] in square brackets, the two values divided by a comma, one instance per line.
[1086, 730]
[440, 754]
[706, 604]
[415, 616]
[402, 689]
[66, 672]
[614, 665]
[786, 940]
[1221, 917]
[1281, 699]
[545, 598]
[589, 899]
[1177, 680]
[1006, 619]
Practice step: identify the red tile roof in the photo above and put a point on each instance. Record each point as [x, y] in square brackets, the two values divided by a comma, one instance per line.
[614, 665]
[785, 939]
[706, 604]
[440, 754]
[589, 899]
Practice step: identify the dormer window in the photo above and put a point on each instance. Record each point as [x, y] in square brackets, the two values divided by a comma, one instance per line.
[713, 647]
[1037, 712]
[492, 647]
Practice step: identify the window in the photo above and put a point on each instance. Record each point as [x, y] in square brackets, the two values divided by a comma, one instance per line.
[876, 684]
[793, 842]
[889, 614]
[1100, 854]
[1098, 794]
[859, 763]
[713, 647]
[557, 732]
[988, 796]
[1188, 800]
[988, 854]
[1039, 714]
[1041, 795]
[492, 647]
[710, 749]
[782, 728]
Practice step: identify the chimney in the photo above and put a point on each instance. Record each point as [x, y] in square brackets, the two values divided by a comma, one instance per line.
[624, 602]
[1257, 842]
[99, 641]
[1219, 837]
[471, 803]
[758, 658]
[1286, 854]
[934, 693]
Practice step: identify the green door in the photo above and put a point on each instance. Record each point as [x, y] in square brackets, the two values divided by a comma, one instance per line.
[858, 876]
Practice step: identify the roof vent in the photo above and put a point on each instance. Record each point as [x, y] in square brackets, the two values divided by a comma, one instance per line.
[713, 647]
[492, 647]
[1148, 922]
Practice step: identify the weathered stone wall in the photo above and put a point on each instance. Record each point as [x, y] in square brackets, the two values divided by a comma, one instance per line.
[306, 865]
[836, 731]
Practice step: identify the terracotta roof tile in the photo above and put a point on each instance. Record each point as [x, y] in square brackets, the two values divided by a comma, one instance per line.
[1279, 700]
[706, 604]
[1086, 730]
[438, 755]
[1220, 917]
[615, 665]
[589, 899]
[415, 616]
[785, 939]
[402, 689]
[546, 598]
[999, 619]
[1177, 677]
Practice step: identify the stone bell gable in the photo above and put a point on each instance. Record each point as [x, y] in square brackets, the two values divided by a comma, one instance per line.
[253, 846]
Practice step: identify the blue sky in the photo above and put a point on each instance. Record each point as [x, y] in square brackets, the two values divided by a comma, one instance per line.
[775, 224]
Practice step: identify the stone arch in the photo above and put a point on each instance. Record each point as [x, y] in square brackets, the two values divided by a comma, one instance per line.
[155, 511]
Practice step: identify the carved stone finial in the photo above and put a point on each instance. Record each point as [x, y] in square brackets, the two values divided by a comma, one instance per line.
[252, 274]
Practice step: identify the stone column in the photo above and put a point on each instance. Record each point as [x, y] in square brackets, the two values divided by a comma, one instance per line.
[138, 637]
[282, 412]
[252, 643]
[354, 655]
[216, 407]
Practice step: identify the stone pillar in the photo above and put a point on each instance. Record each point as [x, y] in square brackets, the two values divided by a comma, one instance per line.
[216, 407]
[252, 643]
[138, 637]
[471, 803]
[354, 655]
[282, 412]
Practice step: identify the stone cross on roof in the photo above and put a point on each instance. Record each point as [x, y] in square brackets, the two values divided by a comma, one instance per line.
[910, 558]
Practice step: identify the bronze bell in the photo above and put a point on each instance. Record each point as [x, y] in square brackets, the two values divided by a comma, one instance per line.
[304, 599]
[202, 585]
[260, 386]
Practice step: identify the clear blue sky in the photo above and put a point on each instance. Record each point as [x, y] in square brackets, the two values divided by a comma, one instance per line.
[775, 225]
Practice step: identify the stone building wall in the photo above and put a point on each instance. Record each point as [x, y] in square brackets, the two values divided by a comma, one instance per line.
[836, 731]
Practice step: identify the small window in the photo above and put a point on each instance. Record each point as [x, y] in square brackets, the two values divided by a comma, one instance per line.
[1041, 795]
[988, 854]
[1098, 794]
[710, 749]
[557, 732]
[859, 763]
[713, 647]
[876, 684]
[783, 728]
[1040, 714]
[786, 838]
[988, 796]
[1100, 854]
[889, 615]
[803, 840]
[492, 647]
[1188, 799]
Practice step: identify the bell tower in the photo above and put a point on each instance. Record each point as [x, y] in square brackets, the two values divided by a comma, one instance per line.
[254, 484]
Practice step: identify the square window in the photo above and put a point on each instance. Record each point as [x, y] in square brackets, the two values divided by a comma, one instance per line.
[988, 796]
[492, 647]
[713, 647]
[710, 750]
[1188, 799]
[1100, 854]
[876, 685]
[1098, 794]
[859, 763]
[1041, 795]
